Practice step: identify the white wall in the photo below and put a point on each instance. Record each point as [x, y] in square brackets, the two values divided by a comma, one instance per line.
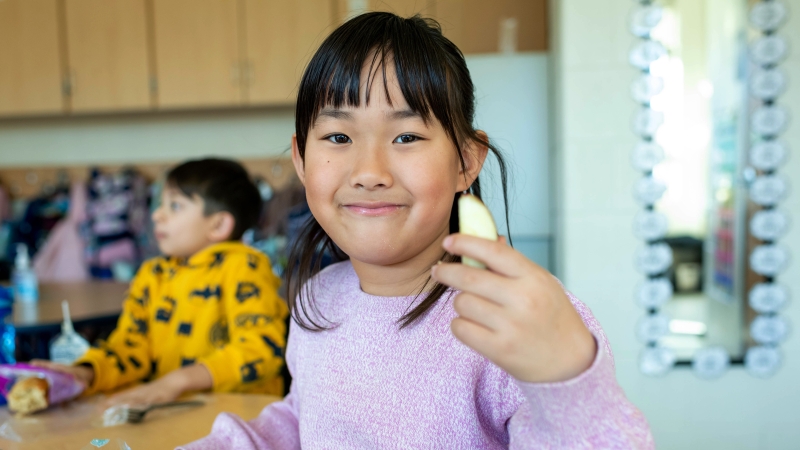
[595, 247]
[145, 137]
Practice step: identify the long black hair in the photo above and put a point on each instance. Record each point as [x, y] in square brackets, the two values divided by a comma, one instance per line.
[433, 79]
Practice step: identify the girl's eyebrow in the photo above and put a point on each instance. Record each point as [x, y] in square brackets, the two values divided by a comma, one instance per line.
[405, 114]
[334, 113]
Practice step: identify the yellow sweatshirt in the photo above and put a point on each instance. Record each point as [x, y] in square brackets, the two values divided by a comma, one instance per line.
[219, 308]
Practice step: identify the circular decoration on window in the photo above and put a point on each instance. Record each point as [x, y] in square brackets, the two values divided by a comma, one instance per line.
[768, 155]
[769, 225]
[769, 50]
[656, 361]
[769, 120]
[650, 225]
[654, 259]
[646, 87]
[769, 330]
[646, 155]
[653, 293]
[762, 361]
[647, 121]
[768, 190]
[769, 260]
[767, 84]
[645, 53]
[644, 19]
[768, 16]
[768, 297]
[648, 190]
[651, 328]
[711, 362]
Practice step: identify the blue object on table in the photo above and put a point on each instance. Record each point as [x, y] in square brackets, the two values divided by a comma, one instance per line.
[7, 331]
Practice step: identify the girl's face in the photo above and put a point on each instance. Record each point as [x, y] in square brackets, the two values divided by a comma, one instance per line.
[379, 180]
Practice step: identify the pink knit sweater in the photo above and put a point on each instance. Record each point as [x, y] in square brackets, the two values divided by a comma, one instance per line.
[369, 385]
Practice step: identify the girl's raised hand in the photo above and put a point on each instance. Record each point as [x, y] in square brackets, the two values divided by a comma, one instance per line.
[515, 313]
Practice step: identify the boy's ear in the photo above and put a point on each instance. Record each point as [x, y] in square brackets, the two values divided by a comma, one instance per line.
[222, 225]
[299, 167]
[474, 157]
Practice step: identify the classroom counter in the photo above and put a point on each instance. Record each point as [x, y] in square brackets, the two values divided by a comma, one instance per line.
[76, 425]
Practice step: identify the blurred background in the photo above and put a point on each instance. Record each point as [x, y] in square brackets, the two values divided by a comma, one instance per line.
[98, 98]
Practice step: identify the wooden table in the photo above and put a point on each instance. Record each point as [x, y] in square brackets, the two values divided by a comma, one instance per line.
[89, 300]
[73, 427]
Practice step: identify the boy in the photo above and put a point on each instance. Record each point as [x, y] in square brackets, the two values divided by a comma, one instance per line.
[205, 316]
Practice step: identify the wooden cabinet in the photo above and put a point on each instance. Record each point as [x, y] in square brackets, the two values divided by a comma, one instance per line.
[30, 67]
[107, 55]
[474, 25]
[197, 53]
[280, 38]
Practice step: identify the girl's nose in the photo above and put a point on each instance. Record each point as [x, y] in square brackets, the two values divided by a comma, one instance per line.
[156, 216]
[371, 169]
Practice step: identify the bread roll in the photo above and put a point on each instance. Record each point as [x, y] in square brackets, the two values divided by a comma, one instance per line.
[28, 395]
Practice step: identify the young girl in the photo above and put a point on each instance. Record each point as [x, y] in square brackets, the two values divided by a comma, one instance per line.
[400, 346]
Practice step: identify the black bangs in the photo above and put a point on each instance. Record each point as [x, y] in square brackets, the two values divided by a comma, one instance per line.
[427, 66]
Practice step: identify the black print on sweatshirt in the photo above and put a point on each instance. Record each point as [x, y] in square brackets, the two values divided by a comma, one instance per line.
[207, 293]
[218, 334]
[185, 328]
[134, 362]
[140, 324]
[165, 314]
[187, 362]
[246, 290]
[219, 258]
[249, 371]
[252, 320]
[144, 299]
[252, 261]
[277, 350]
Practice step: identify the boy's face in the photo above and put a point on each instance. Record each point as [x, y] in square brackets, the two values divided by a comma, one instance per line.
[181, 228]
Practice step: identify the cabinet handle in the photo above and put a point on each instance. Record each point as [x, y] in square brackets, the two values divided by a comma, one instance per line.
[248, 72]
[153, 85]
[68, 83]
[236, 73]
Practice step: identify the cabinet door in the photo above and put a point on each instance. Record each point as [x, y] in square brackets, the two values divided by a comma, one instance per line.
[474, 25]
[282, 35]
[197, 53]
[107, 55]
[403, 8]
[30, 66]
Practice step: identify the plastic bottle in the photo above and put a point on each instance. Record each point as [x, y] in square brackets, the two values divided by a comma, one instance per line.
[26, 286]
[69, 345]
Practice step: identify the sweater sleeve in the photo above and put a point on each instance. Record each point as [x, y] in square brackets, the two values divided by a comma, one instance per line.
[589, 411]
[125, 356]
[255, 315]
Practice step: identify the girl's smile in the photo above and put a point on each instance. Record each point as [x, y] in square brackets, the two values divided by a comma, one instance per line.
[373, 208]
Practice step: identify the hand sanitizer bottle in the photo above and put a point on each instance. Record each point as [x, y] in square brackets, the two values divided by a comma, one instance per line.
[26, 287]
[69, 345]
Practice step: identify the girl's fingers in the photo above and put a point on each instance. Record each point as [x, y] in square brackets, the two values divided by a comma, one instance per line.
[475, 336]
[496, 255]
[479, 310]
[476, 281]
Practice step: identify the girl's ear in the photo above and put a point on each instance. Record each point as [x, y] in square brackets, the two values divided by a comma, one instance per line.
[297, 160]
[474, 157]
[222, 225]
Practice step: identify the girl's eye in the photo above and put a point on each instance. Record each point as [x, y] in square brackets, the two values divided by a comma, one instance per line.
[174, 206]
[339, 139]
[406, 139]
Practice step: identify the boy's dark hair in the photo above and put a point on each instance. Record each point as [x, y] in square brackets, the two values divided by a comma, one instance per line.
[224, 185]
[434, 81]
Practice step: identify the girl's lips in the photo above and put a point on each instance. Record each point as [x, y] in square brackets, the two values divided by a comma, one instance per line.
[370, 209]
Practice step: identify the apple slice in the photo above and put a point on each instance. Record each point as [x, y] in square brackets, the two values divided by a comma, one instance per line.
[475, 219]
